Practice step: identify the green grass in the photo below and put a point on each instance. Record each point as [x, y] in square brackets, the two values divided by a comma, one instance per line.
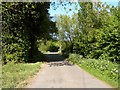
[15, 75]
[101, 69]
[104, 77]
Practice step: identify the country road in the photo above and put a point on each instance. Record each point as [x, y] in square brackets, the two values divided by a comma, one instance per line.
[61, 74]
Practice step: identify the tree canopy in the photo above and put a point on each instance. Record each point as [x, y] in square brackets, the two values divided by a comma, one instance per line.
[93, 31]
[23, 24]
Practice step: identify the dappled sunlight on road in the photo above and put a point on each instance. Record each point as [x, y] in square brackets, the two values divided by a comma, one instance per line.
[60, 63]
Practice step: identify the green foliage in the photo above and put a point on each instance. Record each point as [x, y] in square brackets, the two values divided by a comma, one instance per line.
[15, 48]
[23, 24]
[102, 69]
[67, 30]
[53, 48]
[99, 35]
[49, 45]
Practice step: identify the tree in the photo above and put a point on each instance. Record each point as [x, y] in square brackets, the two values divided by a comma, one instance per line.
[67, 29]
[99, 35]
[23, 25]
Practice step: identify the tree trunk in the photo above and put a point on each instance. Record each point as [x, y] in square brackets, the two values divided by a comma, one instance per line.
[32, 47]
[71, 49]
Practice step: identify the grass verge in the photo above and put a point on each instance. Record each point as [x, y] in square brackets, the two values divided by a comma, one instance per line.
[101, 69]
[15, 75]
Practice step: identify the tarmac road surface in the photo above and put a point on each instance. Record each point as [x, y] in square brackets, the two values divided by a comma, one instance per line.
[61, 74]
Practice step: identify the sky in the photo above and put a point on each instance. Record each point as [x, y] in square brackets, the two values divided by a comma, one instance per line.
[60, 9]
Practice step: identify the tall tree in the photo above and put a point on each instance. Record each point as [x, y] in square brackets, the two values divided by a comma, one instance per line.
[23, 24]
[98, 24]
[67, 29]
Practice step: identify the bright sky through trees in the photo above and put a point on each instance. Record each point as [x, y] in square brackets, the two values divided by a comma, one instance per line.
[61, 10]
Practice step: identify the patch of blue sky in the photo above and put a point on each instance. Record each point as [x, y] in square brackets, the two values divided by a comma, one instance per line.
[74, 7]
[111, 2]
[63, 10]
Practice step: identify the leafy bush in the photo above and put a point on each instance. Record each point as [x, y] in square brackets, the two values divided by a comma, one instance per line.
[100, 35]
[49, 45]
[23, 24]
[15, 48]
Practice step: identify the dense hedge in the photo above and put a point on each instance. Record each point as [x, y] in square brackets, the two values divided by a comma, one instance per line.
[15, 48]
[23, 23]
[100, 35]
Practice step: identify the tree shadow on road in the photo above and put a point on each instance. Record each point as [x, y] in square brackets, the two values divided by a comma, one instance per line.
[62, 63]
[54, 59]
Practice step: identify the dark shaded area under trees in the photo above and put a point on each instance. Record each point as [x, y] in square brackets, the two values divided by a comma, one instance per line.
[24, 24]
